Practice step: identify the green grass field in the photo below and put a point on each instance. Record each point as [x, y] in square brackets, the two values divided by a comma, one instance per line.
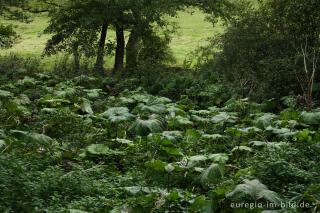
[192, 33]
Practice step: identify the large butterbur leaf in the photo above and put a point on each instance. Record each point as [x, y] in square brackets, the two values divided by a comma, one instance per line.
[86, 106]
[98, 149]
[310, 118]
[212, 137]
[212, 173]
[35, 138]
[118, 115]
[172, 135]
[48, 99]
[223, 117]
[27, 81]
[145, 127]
[2, 143]
[172, 151]
[265, 120]
[93, 93]
[5, 94]
[155, 108]
[283, 132]
[254, 190]
[241, 149]
[221, 158]
[76, 211]
[65, 92]
[182, 122]
[2, 134]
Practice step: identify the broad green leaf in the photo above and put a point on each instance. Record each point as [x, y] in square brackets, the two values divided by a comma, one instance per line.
[200, 112]
[156, 165]
[76, 211]
[49, 110]
[199, 203]
[199, 169]
[156, 108]
[133, 189]
[241, 148]
[175, 110]
[163, 100]
[93, 93]
[289, 114]
[283, 132]
[249, 130]
[126, 100]
[5, 94]
[140, 98]
[2, 134]
[310, 118]
[169, 168]
[65, 93]
[98, 149]
[192, 136]
[175, 195]
[118, 115]
[265, 120]
[172, 151]
[183, 121]
[144, 127]
[32, 137]
[277, 145]
[223, 117]
[199, 119]
[212, 173]
[196, 159]
[254, 190]
[219, 158]
[124, 141]
[28, 81]
[212, 137]
[258, 143]
[14, 107]
[54, 100]
[172, 135]
[2, 143]
[86, 106]
[22, 100]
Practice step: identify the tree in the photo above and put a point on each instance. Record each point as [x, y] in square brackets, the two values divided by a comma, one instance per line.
[118, 64]
[299, 21]
[75, 26]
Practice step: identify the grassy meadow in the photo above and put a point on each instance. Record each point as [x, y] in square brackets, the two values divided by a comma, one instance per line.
[192, 33]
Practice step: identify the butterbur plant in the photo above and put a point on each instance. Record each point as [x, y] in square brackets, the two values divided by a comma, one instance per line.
[116, 117]
[253, 190]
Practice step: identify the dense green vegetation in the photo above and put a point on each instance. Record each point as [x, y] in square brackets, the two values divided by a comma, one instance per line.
[236, 128]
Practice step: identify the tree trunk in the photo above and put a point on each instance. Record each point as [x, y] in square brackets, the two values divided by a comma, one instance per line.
[118, 64]
[76, 57]
[100, 53]
[132, 50]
